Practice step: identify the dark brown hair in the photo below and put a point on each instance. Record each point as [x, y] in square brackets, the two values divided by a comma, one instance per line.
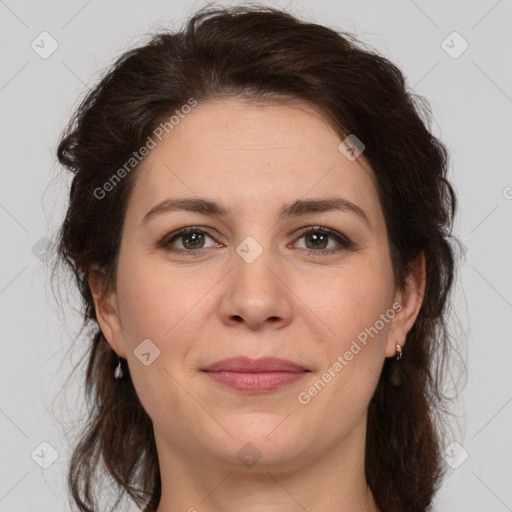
[264, 54]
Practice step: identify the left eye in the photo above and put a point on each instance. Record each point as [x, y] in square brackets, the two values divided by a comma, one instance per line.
[318, 239]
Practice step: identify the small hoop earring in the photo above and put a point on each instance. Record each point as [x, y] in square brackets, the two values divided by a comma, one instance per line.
[398, 352]
[118, 372]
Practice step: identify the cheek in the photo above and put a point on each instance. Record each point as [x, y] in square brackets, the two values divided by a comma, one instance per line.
[152, 300]
[350, 300]
[356, 305]
[158, 307]
[167, 307]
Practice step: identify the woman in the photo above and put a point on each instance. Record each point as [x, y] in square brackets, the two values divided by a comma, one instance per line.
[259, 226]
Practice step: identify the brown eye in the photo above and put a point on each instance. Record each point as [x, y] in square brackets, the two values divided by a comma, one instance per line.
[324, 241]
[192, 240]
[316, 240]
[187, 240]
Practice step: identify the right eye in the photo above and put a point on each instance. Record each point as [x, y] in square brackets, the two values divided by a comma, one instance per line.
[191, 239]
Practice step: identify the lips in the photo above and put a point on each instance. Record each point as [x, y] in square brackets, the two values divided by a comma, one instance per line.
[248, 365]
[255, 375]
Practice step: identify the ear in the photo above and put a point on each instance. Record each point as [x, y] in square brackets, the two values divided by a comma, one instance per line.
[410, 297]
[107, 311]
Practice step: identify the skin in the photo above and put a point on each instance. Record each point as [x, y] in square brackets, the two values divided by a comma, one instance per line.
[287, 303]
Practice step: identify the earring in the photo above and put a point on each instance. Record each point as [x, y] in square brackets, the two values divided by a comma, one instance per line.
[118, 373]
[398, 352]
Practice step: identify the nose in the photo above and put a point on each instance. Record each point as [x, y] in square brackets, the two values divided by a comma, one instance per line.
[256, 294]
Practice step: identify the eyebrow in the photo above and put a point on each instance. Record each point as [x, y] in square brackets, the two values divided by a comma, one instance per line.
[294, 209]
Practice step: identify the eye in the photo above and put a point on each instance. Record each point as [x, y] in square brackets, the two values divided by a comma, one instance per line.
[318, 239]
[189, 240]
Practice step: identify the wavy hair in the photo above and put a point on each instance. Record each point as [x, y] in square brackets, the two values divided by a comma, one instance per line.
[264, 54]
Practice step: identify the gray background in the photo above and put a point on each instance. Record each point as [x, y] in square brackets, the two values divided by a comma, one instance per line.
[471, 99]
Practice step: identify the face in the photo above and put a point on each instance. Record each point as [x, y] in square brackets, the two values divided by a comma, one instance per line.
[271, 272]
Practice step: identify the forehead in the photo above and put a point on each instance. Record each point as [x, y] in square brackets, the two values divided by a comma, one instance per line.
[289, 129]
[254, 154]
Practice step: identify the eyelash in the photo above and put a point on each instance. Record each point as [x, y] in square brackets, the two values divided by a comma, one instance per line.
[167, 240]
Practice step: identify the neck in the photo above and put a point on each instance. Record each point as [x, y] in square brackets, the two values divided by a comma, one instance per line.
[331, 480]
